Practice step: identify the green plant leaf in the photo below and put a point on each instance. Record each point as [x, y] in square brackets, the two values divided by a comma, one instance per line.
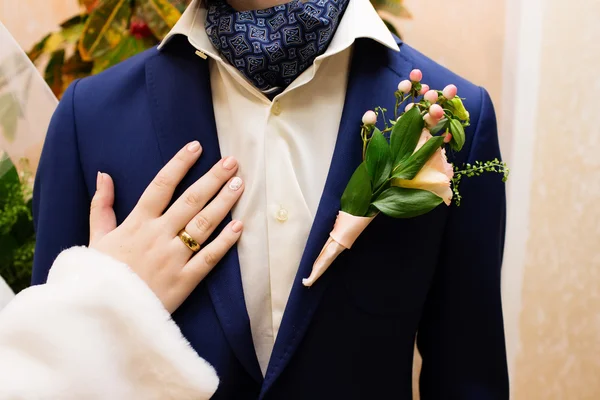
[75, 68]
[357, 195]
[160, 15]
[8, 176]
[457, 108]
[458, 135]
[399, 202]
[104, 28]
[9, 116]
[378, 159]
[406, 134]
[74, 20]
[72, 33]
[411, 167]
[441, 126]
[127, 47]
[53, 72]
[38, 49]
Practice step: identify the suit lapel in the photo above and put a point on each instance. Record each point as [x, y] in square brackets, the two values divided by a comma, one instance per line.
[178, 83]
[375, 72]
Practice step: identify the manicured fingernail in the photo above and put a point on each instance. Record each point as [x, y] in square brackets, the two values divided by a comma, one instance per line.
[235, 183]
[237, 226]
[229, 163]
[194, 146]
[99, 180]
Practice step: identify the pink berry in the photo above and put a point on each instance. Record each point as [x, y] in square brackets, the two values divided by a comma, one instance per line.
[416, 75]
[409, 107]
[448, 138]
[424, 89]
[405, 86]
[436, 111]
[431, 96]
[430, 121]
[370, 118]
[450, 92]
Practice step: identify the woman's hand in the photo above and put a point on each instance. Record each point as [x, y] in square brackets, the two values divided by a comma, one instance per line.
[148, 239]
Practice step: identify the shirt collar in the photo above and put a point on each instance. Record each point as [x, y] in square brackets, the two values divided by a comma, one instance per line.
[359, 21]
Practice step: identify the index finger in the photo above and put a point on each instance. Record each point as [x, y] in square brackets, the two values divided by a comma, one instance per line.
[158, 194]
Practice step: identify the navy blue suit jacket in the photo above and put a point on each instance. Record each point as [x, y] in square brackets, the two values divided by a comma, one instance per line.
[434, 278]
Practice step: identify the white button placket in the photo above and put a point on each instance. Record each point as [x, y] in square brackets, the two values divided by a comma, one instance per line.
[281, 193]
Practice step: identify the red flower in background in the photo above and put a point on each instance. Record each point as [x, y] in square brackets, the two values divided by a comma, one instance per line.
[139, 29]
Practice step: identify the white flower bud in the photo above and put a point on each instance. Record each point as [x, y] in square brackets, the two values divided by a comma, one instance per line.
[370, 118]
[405, 86]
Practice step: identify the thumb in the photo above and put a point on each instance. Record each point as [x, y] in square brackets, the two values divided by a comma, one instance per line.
[102, 215]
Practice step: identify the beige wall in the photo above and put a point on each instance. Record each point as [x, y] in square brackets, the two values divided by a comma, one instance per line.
[30, 20]
[559, 323]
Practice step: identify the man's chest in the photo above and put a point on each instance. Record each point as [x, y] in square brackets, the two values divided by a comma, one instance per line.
[284, 148]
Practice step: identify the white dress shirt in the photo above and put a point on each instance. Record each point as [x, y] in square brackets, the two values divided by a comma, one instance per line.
[284, 148]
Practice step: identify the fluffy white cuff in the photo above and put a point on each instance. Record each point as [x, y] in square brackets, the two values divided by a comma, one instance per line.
[96, 331]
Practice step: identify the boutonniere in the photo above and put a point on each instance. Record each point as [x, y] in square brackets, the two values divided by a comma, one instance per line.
[404, 172]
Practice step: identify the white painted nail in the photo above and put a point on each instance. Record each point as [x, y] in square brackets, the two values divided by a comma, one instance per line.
[235, 183]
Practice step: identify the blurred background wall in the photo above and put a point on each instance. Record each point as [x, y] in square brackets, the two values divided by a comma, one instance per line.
[539, 61]
[30, 20]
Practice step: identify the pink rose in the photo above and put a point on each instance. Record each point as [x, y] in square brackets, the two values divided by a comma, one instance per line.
[435, 176]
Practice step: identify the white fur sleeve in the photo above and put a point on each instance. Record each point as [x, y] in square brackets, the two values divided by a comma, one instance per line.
[96, 331]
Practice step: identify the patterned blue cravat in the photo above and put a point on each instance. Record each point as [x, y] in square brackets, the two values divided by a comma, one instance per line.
[272, 47]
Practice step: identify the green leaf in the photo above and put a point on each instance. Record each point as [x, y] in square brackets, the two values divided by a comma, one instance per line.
[72, 33]
[75, 20]
[160, 15]
[8, 176]
[9, 116]
[38, 49]
[75, 68]
[127, 47]
[411, 167]
[441, 126]
[406, 134]
[357, 195]
[458, 135]
[378, 159]
[457, 108]
[53, 72]
[399, 202]
[104, 28]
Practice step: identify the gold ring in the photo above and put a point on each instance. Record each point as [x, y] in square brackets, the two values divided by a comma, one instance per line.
[188, 240]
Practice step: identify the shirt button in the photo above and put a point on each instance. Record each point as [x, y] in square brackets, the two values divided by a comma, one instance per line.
[282, 215]
[276, 109]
